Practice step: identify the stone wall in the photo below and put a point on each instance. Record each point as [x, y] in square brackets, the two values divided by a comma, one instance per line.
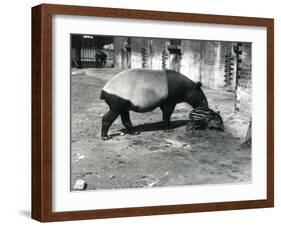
[205, 61]
[191, 59]
[137, 46]
[158, 46]
[119, 44]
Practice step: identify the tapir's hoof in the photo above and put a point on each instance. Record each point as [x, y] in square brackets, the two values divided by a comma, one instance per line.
[168, 130]
[106, 137]
[134, 132]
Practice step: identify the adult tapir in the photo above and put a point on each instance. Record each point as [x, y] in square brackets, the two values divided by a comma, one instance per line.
[143, 90]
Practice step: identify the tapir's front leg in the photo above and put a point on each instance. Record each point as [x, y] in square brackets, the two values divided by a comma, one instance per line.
[167, 110]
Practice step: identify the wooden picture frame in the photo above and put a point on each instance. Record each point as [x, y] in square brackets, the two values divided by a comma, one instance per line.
[42, 112]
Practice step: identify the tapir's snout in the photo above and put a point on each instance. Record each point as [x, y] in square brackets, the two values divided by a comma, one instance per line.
[204, 103]
[221, 127]
[201, 102]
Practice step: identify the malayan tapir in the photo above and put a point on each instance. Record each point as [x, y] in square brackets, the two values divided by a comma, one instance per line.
[143, 90]
[204, 118]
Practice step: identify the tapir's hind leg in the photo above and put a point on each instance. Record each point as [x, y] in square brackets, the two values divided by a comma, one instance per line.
[107, 120]
[125, 117]
[167, 110]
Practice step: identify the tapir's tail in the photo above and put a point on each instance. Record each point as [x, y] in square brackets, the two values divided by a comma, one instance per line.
[102, 95]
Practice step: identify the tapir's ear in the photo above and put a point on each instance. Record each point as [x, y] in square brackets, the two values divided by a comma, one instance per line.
[218, 112]
[198, 84]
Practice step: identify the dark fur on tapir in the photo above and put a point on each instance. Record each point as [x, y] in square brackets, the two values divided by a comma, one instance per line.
[143, 90]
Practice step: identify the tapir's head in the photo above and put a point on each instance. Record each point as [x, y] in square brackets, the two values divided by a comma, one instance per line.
[196, 98]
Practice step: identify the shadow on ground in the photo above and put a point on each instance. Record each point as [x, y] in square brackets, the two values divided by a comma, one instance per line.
[155, 126]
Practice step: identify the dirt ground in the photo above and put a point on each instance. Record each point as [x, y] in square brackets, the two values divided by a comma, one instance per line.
[154, 158]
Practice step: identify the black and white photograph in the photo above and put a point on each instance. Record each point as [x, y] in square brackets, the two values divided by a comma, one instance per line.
[159, 112]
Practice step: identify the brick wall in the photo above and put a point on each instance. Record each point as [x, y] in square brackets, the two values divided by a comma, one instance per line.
[244, 81]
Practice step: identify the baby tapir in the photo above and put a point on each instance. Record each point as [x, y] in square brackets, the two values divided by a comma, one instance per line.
[205, 118]
[143, 90]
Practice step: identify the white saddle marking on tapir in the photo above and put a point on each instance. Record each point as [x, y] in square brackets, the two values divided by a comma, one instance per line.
[143, 87]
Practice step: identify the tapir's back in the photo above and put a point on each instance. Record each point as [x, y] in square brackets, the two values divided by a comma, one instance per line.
[142, 87]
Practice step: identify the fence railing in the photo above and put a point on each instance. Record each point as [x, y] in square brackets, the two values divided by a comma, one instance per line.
[88, 54]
